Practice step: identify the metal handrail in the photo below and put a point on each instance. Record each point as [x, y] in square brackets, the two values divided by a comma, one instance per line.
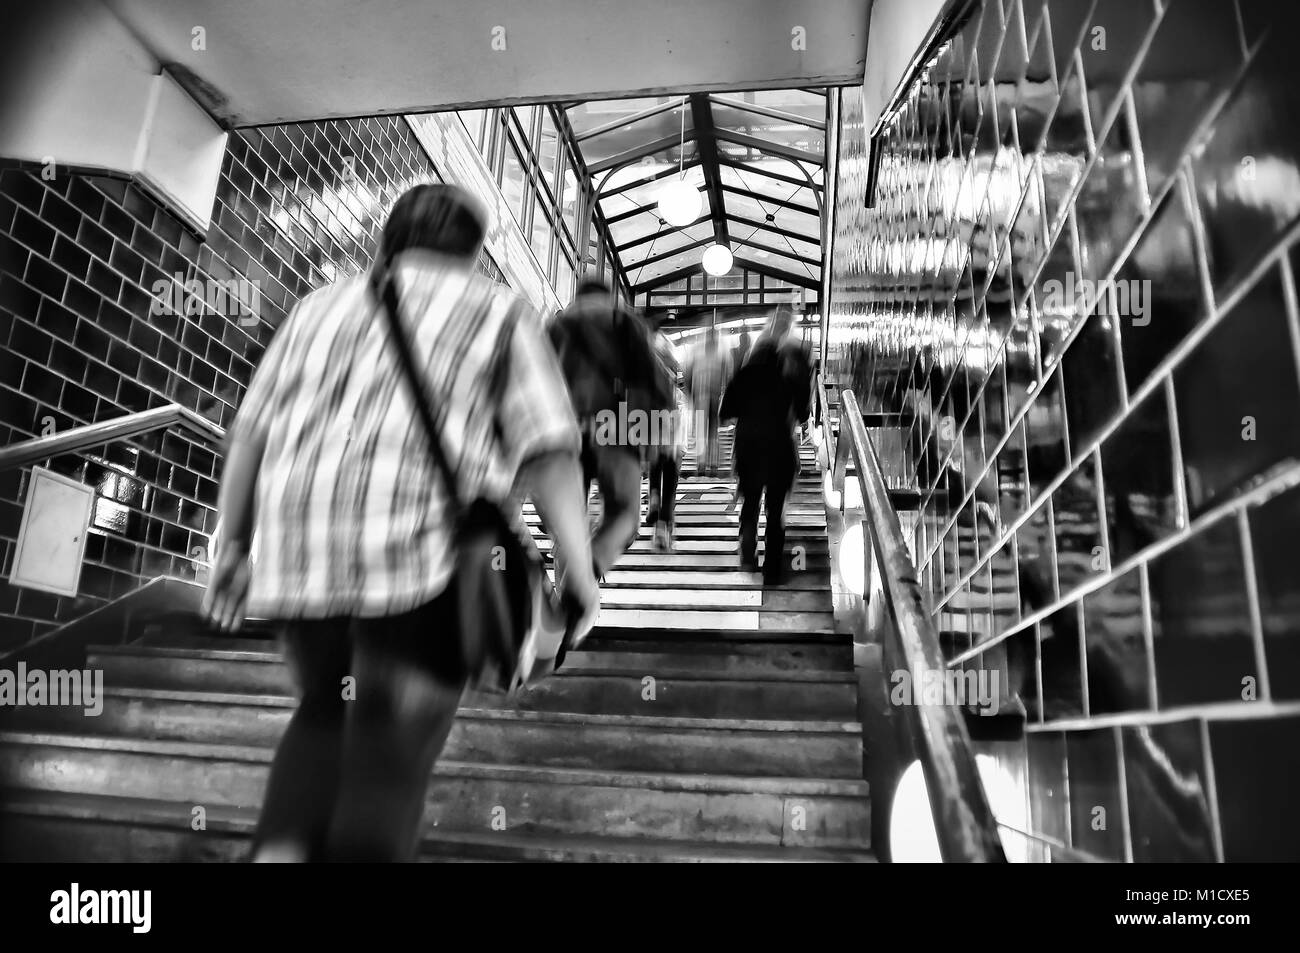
[35, 449]
[966, 828]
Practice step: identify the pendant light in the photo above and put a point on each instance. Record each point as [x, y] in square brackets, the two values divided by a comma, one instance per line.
[679, 201]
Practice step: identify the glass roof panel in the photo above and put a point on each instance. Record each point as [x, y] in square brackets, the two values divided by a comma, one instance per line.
[643, 170]
[648, 193]
[613, 144]
[796, 221]
[612, 205]
[797, 101]
[663, 241]
[777, 243]
[780, 192]
[584, 117]
[806, 226]
[638, 274]
[638, 226]
[785, 263]
[746, 207]
[784, 132]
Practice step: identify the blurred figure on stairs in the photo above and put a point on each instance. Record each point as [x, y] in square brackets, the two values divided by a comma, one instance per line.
[707, 373]
[607, 356]
[768, 398]
[334, 520]
[665, 451]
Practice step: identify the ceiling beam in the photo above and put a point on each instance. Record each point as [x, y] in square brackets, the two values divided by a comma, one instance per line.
[702, 119]
[640, 152]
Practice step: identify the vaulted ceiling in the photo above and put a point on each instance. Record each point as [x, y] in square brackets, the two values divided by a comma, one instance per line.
[758, 158]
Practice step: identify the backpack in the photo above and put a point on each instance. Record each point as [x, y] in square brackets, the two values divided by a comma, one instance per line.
[606, 364]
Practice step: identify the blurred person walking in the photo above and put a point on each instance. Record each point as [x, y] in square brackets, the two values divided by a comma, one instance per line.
[767, 398]
[607, 355]
[337, 523]
[707, 373]
[666, 451]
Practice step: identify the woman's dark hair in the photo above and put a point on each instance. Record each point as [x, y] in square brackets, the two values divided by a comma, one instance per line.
[594, 286]
[439, 218]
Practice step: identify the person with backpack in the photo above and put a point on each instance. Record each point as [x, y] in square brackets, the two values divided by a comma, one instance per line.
[341, 519]
[767, 398]
[607, 356]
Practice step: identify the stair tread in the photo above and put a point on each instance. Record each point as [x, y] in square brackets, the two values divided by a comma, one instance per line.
[436, 842]
[602, 719]
[586, 777]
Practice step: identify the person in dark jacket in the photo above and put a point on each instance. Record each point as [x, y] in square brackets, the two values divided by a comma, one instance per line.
[767, 398]
[607, 356]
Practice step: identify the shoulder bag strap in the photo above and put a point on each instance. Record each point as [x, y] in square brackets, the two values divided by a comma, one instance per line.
[385, 289]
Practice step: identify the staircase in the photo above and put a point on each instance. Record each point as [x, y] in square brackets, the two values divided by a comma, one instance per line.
[707, 719]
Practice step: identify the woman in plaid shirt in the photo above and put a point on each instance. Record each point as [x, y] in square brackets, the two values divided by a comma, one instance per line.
[335, 523]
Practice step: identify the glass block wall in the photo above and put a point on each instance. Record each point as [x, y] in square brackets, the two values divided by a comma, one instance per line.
[1076, 283]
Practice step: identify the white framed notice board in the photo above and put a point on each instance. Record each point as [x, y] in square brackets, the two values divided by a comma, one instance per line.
[52, 541]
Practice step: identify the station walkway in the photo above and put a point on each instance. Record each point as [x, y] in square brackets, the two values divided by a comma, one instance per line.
[707, 719]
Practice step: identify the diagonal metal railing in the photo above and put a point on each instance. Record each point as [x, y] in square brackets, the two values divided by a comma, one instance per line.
[36, 449]
[963, 820]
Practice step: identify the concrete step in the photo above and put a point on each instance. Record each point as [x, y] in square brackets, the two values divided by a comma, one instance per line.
[829, 653]
[721, 518]
[792, 533]
[75, 828]
[614, 596]
[644, 543]
[702, 578]
[714, 620]
[470, 797]
[686, 564]
[759, 748]
[834, 655]
[680, 692]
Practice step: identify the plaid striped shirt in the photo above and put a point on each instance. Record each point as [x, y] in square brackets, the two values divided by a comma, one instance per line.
[350, 516]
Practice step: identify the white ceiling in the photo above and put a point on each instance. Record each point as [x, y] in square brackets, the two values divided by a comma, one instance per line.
[286, 60]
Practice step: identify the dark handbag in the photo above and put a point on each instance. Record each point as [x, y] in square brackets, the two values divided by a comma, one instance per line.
[494, 573]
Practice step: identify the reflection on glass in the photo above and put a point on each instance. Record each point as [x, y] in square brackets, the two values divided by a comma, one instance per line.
[1047, 146]
[1168, 797]
[1200, 620]
[513, 180]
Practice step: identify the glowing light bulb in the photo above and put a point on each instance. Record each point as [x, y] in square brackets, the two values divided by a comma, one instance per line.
[679, 203]
[717, 260]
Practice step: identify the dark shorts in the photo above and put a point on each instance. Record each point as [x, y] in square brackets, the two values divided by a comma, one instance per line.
[591, 452]
[425, 638]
